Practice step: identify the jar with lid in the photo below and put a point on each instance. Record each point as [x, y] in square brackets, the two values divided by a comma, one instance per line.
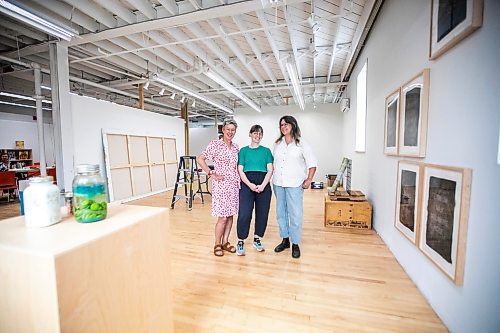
[89, 194]
[41, 202]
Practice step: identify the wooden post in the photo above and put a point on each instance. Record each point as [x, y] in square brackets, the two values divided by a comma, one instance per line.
[184, 115]
[141, 96]
[216, 125]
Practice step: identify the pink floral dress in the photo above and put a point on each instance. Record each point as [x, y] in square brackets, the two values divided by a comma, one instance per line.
[225, 193]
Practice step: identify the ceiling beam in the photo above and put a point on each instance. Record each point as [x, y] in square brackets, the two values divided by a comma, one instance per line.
[234, 7]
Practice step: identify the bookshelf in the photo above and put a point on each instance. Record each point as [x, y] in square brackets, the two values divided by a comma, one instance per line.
[22, 156]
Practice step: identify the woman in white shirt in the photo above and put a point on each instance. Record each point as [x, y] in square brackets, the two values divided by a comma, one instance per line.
[294, 169]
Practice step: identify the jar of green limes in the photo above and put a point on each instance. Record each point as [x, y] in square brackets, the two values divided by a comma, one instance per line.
[89, 194]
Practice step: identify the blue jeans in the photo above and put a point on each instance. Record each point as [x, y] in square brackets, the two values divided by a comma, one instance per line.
[289, 212]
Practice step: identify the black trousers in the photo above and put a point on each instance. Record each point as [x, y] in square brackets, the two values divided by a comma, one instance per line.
[249, 199]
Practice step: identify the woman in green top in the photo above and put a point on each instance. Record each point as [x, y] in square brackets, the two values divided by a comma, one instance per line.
[255, 166]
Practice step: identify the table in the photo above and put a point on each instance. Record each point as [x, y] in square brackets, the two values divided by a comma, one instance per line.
[108, 276]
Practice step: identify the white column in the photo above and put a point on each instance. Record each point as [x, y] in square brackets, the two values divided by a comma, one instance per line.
[39, 118]
[62, 114]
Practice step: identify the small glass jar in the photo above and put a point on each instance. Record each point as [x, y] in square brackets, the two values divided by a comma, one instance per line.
[89, 194]
[41, 202]
[68, 201]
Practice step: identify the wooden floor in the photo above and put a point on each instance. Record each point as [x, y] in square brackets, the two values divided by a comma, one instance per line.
[343, 282]
[9, 209]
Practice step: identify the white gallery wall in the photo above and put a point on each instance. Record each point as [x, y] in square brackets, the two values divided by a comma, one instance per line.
[199, 137]
[15, 127]
[463, 131]
[91, 116]
[320, 127]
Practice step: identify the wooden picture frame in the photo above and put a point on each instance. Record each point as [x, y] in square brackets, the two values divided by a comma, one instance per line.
[444, 213]
[391, 124]
[413, 115]
[452, 21]
[408, 199]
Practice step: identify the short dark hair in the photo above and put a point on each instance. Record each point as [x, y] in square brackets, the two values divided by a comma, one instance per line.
[295, 128]
[256, 128]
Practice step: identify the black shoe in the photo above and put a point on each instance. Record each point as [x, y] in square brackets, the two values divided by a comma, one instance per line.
[285, 244]
[295, 251]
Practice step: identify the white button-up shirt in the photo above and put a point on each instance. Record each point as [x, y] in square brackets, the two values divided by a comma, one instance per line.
[292, 162]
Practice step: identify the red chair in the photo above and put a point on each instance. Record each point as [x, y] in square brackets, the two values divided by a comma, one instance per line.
[52, 172]
[8, 182]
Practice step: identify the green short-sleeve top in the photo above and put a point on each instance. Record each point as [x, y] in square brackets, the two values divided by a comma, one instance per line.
[255, 159]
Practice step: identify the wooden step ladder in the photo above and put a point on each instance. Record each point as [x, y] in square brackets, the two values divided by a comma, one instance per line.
[187, 174]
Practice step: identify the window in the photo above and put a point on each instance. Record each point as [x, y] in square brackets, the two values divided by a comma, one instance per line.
[361, 110]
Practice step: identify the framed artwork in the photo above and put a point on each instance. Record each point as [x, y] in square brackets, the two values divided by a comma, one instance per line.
[408, 199]
[452, 21]
[444, 211]
[413, 115]
[19, 144]
[391, 132]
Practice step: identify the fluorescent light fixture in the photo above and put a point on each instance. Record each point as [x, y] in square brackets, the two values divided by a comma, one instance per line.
[22, 97]
[162, 91]
[23, 105]
[191, 93]
[292, 72]
[46, 87]
[209, 73]
[24, 16]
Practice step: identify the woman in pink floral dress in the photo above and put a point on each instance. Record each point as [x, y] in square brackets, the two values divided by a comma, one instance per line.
[225, 184]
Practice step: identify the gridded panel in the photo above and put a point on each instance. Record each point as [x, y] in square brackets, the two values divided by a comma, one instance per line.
[142, 181]
[158, 180]
[170, 150]
[171, 174]
[138, 150]
[118, 151]
[155, 150]
[122, 183]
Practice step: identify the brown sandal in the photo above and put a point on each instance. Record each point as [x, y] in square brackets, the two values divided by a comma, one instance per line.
[218, 250]
[229, 248]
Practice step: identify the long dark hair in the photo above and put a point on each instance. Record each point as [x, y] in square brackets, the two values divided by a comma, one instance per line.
[295, 132]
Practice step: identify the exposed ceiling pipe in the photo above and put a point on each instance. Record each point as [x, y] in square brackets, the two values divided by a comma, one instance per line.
[90, 83]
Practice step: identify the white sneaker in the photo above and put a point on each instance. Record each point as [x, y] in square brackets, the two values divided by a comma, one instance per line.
[240, 248]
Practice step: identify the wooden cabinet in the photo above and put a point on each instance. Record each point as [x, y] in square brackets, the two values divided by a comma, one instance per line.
[107, 276]
[348, 214]
[22, 156]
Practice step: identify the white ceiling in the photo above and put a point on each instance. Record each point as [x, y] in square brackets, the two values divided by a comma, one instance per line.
[122, 43]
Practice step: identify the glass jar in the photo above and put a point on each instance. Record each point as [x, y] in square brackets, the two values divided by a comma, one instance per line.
[89, 194]
[41, 202]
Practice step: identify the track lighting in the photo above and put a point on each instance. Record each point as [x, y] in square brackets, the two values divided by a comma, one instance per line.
[162, 91]
[209, 73]
[146, 85]
[171, 84]
[183, 99]
[173, 96]
[194, 104]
